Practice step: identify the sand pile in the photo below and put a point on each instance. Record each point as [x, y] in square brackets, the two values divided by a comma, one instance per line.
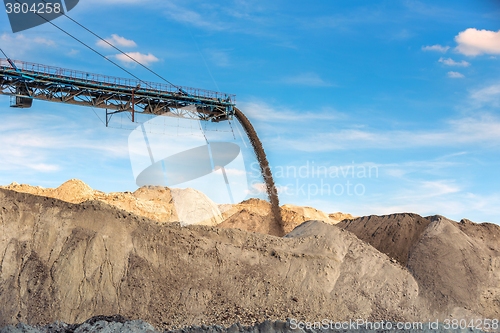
[339, 216]
[295, 215]
[158, 203]
[177, 205]
[456, 265]
[394, 235]
[254, 215]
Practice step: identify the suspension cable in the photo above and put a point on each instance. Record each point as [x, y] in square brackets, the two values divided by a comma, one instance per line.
[4, 54]
[91, 48]
[119, 50]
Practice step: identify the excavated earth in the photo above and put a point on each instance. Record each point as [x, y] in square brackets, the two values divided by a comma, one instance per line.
[62, 261]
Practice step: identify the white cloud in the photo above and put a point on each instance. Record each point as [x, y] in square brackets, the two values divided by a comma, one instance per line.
[258, 188]
[437, 48]
[16, 45]
[455, 75]
[451, 62]
[235, 172]
[307, 79]
[42, 167]
[437, 188]
[145, 59]
[473, 42]
[487, 95]
[117, 41]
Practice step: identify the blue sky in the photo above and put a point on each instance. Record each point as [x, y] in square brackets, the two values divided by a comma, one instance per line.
[404, 93]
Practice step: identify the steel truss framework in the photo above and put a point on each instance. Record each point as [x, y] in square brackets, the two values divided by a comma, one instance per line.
[30, 81]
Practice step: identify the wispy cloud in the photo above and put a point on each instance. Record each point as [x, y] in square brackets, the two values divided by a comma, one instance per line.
[117, 41]
[482, 129]
[191, 17]
[307, 79]
[446, 197]
[425, 187]
[455, 75]
[44, 41]
[451, 62]
[347, 20]
[25, 146]
[403, 34]
[434, 167]
[18, 44]
[487, 95]
[219, 58]
[436, 48]
[474, 42]
[264, 112]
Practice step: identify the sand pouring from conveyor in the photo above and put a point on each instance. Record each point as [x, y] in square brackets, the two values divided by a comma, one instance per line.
[264, 167]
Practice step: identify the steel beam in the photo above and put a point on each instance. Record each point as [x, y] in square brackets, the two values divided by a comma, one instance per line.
[53, 84]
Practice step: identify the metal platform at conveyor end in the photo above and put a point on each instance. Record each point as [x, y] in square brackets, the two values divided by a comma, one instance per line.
[25, 81]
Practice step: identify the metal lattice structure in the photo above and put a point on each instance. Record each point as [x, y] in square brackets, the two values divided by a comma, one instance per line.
[25, 81]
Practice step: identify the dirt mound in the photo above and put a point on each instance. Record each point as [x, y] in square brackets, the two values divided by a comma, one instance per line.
[75, 191]
[69, 262]
[485, 232]
[295, 215]
[154, 202]
[457, 265]
[339, 216]
[177, 205]
[254, 215]
[393, 235]
[466, 274]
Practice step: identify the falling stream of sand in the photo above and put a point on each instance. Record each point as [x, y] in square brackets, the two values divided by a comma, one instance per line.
[264, 167]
